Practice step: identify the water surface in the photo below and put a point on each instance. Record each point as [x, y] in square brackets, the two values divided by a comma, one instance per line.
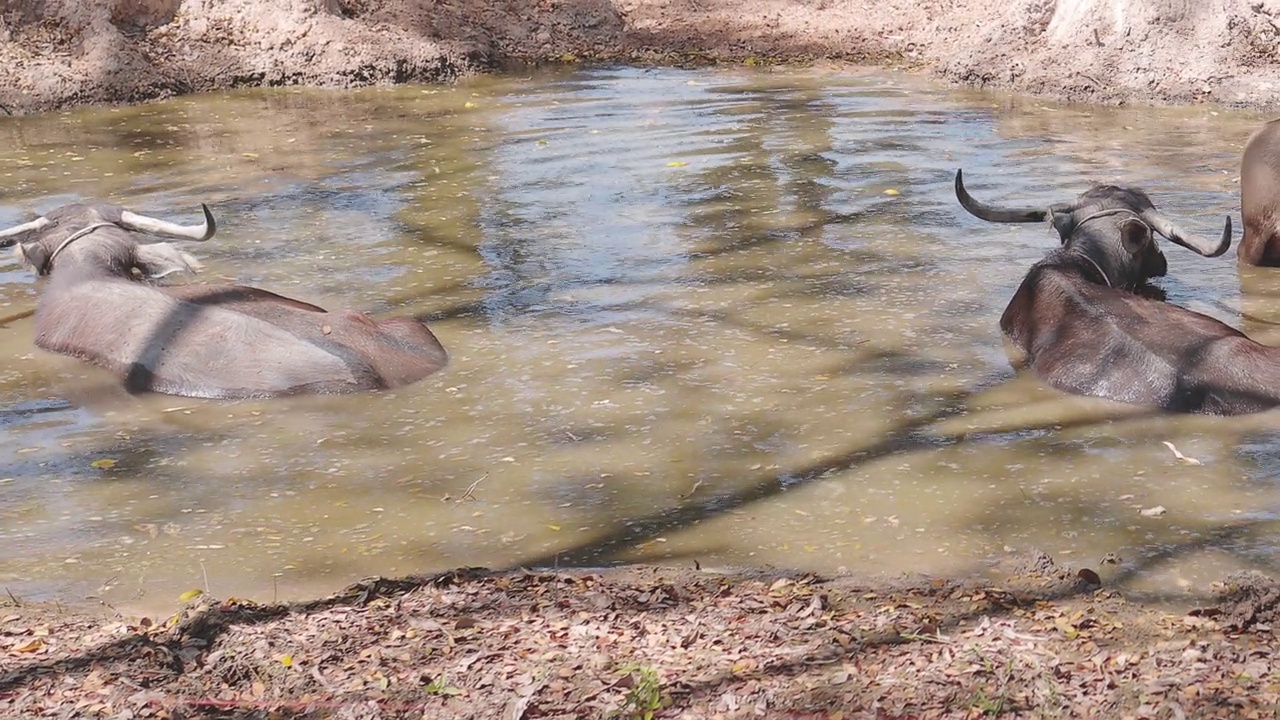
[731, 316]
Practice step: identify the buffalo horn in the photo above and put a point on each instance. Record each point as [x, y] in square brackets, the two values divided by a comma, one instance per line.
[9, 236]
[991, 213]
[152, 226]
[1208, 249]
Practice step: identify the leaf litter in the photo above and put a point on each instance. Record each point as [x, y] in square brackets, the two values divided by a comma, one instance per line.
[1034, 639]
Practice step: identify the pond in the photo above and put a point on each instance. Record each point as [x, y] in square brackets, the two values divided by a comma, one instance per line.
[730, 316]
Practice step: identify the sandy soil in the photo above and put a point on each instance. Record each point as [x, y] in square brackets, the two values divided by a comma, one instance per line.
[1039, 641]
[59, 53]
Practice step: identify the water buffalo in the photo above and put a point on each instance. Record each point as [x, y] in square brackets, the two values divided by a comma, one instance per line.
[1260, 198]
[1084, 331]
[102, 304]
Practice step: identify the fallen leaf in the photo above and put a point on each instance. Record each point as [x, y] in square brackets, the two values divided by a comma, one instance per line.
[31, 645]
[286, 660]
[891, 192]
[676, 163]
[1156, 511]
[104, 464]
[190, 595]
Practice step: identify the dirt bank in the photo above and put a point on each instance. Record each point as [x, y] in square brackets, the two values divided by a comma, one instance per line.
[1040, 641]
[59, 53]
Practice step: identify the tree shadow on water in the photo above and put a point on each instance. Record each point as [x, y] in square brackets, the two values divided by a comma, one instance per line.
[908, 435]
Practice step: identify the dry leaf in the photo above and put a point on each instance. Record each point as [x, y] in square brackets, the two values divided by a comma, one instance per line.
[31, 645]
[104, 464]
[1156, 511]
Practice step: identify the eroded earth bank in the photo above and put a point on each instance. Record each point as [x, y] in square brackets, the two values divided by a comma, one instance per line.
[57, 53]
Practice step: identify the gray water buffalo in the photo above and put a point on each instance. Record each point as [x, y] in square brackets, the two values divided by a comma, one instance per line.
[1260, 198]
[1085, 330]
[101, 304]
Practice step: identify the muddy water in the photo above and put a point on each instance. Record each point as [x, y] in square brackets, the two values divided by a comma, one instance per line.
[726, 316]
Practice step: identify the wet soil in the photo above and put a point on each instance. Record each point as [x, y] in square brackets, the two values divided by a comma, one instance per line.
[1032, 640]
[60, 53]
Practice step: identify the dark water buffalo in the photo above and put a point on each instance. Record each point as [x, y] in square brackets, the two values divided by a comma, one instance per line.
[1260, 198]
[1084, 331]
[213, 341]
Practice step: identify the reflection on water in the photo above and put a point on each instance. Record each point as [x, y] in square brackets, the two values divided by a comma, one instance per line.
[731, 316]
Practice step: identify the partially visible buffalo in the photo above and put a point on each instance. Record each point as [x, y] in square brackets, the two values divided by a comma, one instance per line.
[1084, 330]
[1260, 198]
[212, 341]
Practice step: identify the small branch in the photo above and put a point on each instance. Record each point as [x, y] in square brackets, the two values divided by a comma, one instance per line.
[467, 495]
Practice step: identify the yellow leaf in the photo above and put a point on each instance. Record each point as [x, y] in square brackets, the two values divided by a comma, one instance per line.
[676, 163]
[569, 58]
[104, 464]
[286, 660]
[190, 595]
[251, 156]
[31, 645]
[554, 527]
[468, 104]
[891, 192]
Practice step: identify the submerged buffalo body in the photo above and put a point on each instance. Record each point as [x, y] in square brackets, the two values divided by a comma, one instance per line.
[1084, 329]
[213, 341]
[1260, 198]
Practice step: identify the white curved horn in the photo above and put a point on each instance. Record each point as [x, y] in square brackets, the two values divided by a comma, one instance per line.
[163, 228]
[9, 233]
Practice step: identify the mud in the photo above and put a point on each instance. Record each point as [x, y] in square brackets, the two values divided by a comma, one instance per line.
[61, 53]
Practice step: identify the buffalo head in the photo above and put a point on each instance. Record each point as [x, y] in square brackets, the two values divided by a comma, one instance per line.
[1110, 226]
[100, 238]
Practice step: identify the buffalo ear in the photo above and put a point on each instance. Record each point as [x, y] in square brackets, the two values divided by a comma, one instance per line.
[159, 260]
[34, 256]
[1135, 235]
[1065, 223]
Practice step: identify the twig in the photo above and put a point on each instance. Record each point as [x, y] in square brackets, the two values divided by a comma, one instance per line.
[12, 598]
[692, 490]
[936, 637]
[204, 572]
[471, 487]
